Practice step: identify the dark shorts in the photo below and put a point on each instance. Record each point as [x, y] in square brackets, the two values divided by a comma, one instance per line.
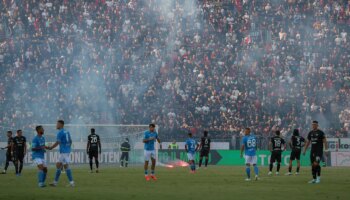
[204, 153]
[276, 156]
[9, 158]
[93, 154]
[18, 156]
[295, 155]
[316, 156]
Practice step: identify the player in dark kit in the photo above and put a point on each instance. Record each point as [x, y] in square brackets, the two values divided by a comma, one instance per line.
[125, 148]
[93, 148]
[204, 146]
[295, 143]
[20, 150]
[9, 152]
[277, 144]
[317, 139]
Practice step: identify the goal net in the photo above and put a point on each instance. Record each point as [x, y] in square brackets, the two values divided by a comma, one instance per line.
[111, 136]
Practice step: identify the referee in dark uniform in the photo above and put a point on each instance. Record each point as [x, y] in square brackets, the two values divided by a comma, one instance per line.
[125, 149]
[318, 140]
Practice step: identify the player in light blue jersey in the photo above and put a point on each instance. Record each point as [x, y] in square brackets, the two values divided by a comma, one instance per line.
[38, 155]
[65, 142]
[249, 148]
[191, 147]
[149, 139]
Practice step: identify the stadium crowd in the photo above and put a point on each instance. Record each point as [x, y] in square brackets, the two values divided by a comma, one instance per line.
[186, 65]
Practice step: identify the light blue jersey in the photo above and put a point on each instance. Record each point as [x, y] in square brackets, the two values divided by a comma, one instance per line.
[249, 142]
[63, 137]
[38, 142]
[191, 145]
[149, 146]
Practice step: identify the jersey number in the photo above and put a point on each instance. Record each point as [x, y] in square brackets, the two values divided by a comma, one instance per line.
[251, 143]
[206, 141]
[278, 143]
[94, 140]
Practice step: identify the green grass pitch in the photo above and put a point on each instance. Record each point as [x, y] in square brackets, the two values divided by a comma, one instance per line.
[213, 183]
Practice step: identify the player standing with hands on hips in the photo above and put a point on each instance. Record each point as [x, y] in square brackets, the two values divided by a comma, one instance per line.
[317, 139]
[150, 138]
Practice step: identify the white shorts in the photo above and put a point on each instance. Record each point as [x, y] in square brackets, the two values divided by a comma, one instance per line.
[191, 156]
[250, 160]
[40, 161]
[64, 158]
[149, 154]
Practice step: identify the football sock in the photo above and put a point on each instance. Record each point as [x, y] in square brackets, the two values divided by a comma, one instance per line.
[146, 172]
[256, 170]
[313, 172]
[247, 169]
[20, 166]
[298, 168]
[90, 162]
[152, 172]
[97, 163]
[41, 176]
[318, 170]
[69, 174]
[271, 166]
[57, 175]
[200, 162]
[278, 167]
[44, 177]
[16, 167]
[290, 169]
[206, 161]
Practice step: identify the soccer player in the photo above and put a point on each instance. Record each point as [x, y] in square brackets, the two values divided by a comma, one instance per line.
[277, 145]
[9, 152]
[317, 139]
[125, 149]
[38, 155]
[150, 137]
[249, 148]
[295, 143]
[191, 147]
[64, 141]
[205, 149]
[20, 150]
[93, 148]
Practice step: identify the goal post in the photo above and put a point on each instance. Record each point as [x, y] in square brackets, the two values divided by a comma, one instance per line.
[111, 136]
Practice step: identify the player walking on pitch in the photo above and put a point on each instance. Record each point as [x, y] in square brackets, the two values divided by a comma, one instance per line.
[249, 148]
[19, 151]
[296, 143]
[64, 141]
[150, 137]
[317, 139]
[93, 148]
[191, 147]
[205, 149]
[277, 144]
[38, 155]
[9, 152]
